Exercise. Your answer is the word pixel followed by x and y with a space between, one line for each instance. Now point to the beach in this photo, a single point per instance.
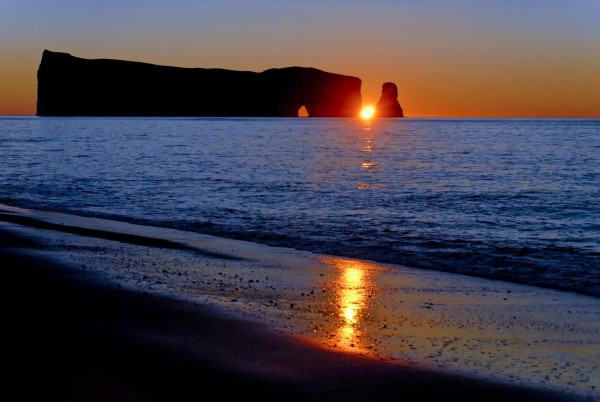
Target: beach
pixel 110 310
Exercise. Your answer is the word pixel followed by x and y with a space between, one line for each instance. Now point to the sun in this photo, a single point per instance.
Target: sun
pixel 367 112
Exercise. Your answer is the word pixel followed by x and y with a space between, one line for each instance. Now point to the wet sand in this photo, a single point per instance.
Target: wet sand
pixel 96 309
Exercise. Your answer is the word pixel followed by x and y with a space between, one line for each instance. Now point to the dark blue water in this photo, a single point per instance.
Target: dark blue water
pixel 515 199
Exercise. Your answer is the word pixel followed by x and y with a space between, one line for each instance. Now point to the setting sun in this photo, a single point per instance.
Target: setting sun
pixel 367 112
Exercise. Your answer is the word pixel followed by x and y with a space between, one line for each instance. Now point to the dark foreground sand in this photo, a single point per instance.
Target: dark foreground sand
pixel 67 337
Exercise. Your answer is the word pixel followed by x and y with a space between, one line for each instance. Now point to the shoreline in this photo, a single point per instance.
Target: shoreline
pixel 350 321
pixel 149 223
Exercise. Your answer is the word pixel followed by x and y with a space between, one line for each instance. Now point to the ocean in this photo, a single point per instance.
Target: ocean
pixel 510 199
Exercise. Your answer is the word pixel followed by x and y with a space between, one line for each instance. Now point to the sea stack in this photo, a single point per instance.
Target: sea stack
pixel 388 105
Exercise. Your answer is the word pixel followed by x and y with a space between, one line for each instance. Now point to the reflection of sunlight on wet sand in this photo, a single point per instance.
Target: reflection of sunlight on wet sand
pixel 352 290
pixel 351 301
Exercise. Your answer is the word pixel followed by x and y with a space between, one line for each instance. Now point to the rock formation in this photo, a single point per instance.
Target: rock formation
pixel 72 86
pixel 388 105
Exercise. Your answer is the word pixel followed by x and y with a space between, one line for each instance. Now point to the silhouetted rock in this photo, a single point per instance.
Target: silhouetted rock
pixel 388 105
pixel 71 86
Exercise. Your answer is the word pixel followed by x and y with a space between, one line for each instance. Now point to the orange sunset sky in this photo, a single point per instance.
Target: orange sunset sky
pixel 449 58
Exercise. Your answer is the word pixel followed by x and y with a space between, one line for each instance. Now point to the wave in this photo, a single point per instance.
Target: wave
pixel 551 266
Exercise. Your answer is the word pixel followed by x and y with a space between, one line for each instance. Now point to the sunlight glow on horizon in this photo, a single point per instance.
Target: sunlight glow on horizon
pixel 367 112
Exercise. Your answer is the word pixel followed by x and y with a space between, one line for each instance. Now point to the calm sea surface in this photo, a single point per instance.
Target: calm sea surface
pixel 516 199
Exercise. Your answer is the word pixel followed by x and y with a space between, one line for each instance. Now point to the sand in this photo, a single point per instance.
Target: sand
pixel 98 309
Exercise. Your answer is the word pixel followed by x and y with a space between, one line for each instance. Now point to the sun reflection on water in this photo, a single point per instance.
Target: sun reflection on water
pixel 368 165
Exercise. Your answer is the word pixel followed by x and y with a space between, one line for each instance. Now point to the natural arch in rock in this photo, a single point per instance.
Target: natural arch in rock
pixel 302 112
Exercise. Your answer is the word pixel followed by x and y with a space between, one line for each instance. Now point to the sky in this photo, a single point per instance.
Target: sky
pixel 448 58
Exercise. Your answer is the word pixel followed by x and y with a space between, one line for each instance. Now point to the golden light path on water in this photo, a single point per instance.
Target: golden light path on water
pixel 368 165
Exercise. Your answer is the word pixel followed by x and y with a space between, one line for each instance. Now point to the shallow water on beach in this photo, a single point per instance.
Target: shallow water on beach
pixel 515 199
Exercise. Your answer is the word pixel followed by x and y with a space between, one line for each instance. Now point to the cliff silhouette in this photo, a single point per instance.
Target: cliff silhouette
pixel 72 86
